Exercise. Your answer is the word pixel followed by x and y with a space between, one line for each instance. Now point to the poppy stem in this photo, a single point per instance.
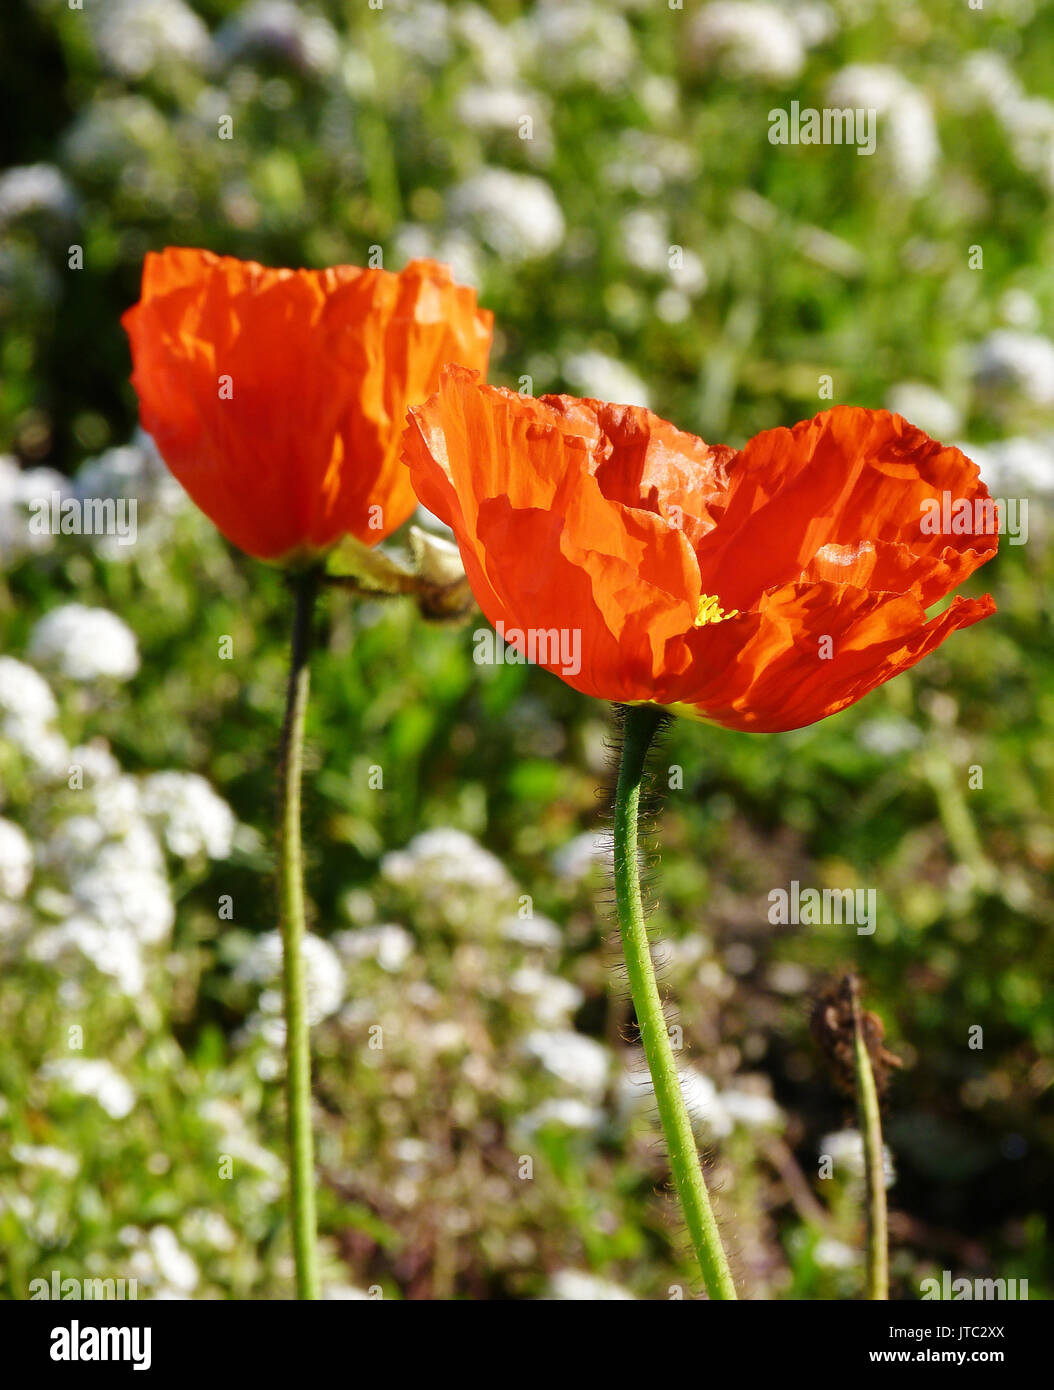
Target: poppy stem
pixel 640 725
pixel 291 900
pixel 870 1122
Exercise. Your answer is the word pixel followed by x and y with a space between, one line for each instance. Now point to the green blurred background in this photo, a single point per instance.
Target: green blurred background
pixel 645 243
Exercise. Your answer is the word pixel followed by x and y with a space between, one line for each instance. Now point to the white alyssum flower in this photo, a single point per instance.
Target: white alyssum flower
pixel 85 1076
pixel 578 1286
pixel 581 856
pixel 16 860
pixel 451 245
pixel 906 129
pixel 161 1260
pixel 928 409
pixel 113 950
pixel 576 41
pixel 706 1108
pixel 517 215
pixel 845 1148
pixel 1017 465
pixel 553 1000
pixel 567 1112
pixel 191 818
pixel 889 736
pixel 835 1254
pixel 324 974
pixel 86 644
pixel 747 38
pixel 389 944
pixel 447 857
pixel 1023 361
pixel 280 29
pixel 597 375
pixel 485 107
pixel 25 696
pixel 133 36
pixel 535 930
pixel 46 1156
pixel 577 1061
pixel 28 188
pixel 751 1109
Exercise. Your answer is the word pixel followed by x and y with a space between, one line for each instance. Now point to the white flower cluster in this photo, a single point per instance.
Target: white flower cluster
pixel 926 408
pixel 603 378
pixel 907 132
pixel 580 1063
pixel 85 644
pixel 93 831
pixel 323 972
pixel 191 818
pixel 989 80
pixel 845 1148
pixel 280 29
pixel 32 188
pixel 714 1114
pixel 19 490
pixel 159 1262
pixel 1022 361
pixel 578 1286
pixel 448 858
pixel 134 36
pixel 84 1076
pixel 748 38
pixel 27 715
pixel 516 215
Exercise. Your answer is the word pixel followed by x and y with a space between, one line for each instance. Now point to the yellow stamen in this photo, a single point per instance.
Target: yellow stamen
pixel 710 611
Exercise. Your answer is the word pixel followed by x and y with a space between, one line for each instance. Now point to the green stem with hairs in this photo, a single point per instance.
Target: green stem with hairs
pixel 641 722
pixel 870 1121
pixel 291 900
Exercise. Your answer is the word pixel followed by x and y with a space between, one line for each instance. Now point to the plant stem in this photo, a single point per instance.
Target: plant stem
pixel 291 899
pixel 641 722
pixel 870 1121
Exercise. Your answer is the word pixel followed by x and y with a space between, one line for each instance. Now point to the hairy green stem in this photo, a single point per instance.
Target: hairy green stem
pixel 641 722
pixel 870 1121
pixel 291 900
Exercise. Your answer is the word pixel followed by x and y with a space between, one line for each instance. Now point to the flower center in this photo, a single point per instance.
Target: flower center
pixel 710 611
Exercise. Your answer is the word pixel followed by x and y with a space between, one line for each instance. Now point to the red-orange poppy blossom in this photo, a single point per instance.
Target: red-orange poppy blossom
pixel 278 397
pixel 761 589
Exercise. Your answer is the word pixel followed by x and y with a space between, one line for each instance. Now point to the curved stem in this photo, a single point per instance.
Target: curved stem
pixel 641 722
pixel 291 899
pixel 870 1121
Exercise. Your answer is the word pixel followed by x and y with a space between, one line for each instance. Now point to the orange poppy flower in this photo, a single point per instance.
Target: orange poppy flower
pixel 761 589
pixel 277 397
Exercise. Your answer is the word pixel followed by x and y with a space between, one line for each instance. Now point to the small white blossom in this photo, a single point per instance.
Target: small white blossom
pixel 16 860
pixel 906 130
pixel 85 1076
pixel 192 819
pixel 1023 361
pixel 578 1061
pixel 85 643
pixel 553 1000
pixel 448 857
pixel 567 1112
pixel 603 378
pixel 928 409
pixel 747 38
pixel 47 1157
pixel 388 944
pixel 578 1286
pixel 517 215
pixel 323 972
pixel 133 36
pixel 28 188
